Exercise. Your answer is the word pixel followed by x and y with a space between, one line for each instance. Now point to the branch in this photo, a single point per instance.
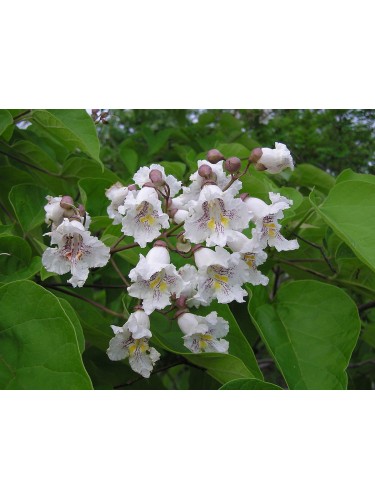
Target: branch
pixel 321 250
pixel 89 301
pixel 125 247
pixel 362 363
pixel 368 305
pixel 118 271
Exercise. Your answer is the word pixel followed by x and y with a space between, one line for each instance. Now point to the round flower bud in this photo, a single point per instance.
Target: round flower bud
pixel 214 156
pixel 232 164
pixel 255 155
pixel 205 171
pixel 66 202
pixel 156 177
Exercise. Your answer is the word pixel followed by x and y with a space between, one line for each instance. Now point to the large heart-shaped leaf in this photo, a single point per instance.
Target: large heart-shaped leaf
pixel 310 330
pixel 38 341
pixel 349 210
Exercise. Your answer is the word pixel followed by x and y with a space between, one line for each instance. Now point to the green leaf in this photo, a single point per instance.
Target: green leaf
pixel 250 384
pixel 311 331
pixel 6 119
pixel 16 262
pixel 28 202
pixel 234 149
pixel 175 168
pixel 349 175
pixel 93 195
pixel 70 312
pixel 38 342
pixel 129 157
pixel 36 155
pixel 310 176
pixel 74 128
pixel 350 211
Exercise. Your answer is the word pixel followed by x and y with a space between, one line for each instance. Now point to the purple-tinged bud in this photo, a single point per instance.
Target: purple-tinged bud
pixel 81 210
pixel 256 155
pixel 132 187
pixel 172 212
pixel 243 196
pixel 156 177
pixel 205 171
pixel 66 202
pixel 160 243
pixel 233 164
pixel 214 156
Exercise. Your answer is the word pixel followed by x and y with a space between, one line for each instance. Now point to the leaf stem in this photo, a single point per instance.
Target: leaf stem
pixel 118 271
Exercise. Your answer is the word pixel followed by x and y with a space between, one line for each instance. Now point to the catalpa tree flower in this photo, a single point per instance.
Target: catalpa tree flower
pixel 142 177
pixel 144 217
pixel 116 194
pixel 155 279
pixel 131 341
pixel 220 276
pixel 206 171
pixel 267 229
pixel 59 208
pixel 273 160
pixel 215 216
pixel 204 334
pixel 76 252
pixel 251 253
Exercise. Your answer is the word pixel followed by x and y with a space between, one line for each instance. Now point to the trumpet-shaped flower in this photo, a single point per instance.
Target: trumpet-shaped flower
pixel 220 276
pixel 267 229
pixel 204 334
pixel 76 252
pixel 144 217
pixel 215 216
pixel 131 341
pixel 252 255
pixel 155 279
pixel 143 175
pixel 276 160
pixel 54 212
pixel 116 194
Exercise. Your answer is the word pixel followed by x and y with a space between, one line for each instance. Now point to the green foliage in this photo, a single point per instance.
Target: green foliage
pixel 302 331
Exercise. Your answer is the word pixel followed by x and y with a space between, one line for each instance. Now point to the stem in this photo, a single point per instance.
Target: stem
pixel 89 301
pixel 16 119
pixel 125 247
pixel 368 305
pixel 118 241
pixel 307 270
pixel 173 229
pixel 318 247
pixel 118 271
pixel 362 363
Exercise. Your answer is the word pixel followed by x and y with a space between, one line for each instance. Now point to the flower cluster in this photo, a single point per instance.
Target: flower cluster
pixel 222 232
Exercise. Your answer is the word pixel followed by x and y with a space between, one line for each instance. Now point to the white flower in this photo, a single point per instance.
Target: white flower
pixel 276 160
pixel 54 212
pixel 214 217
pixel 143 176
pixel 155 280
pixel 220 276
pixel 189 274
pixel 144 217
pixel 252 254
pixel 267 229
pixel 192 192
pixel 76 252
pixel 134 345
pixel 204 334
pixel 116 194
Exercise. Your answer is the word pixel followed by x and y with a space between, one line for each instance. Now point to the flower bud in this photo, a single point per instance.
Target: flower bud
pixel 81 210
pixel 66 202
pixel 233 164
pixel 181 302
pixel 214 156
pixel 183 245
pixel 132 187
pixel 156 177
pixel 205 171
pixel 255 155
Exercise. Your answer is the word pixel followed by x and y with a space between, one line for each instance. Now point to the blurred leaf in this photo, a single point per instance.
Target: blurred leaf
pixel 36 155
pixel 38 341
pixel 6 120
pixel 310 176
pixel 93 195
pixel 130 158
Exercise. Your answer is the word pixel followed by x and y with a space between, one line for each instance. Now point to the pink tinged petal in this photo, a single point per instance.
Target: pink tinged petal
pixel 118 347
pixel 53 261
